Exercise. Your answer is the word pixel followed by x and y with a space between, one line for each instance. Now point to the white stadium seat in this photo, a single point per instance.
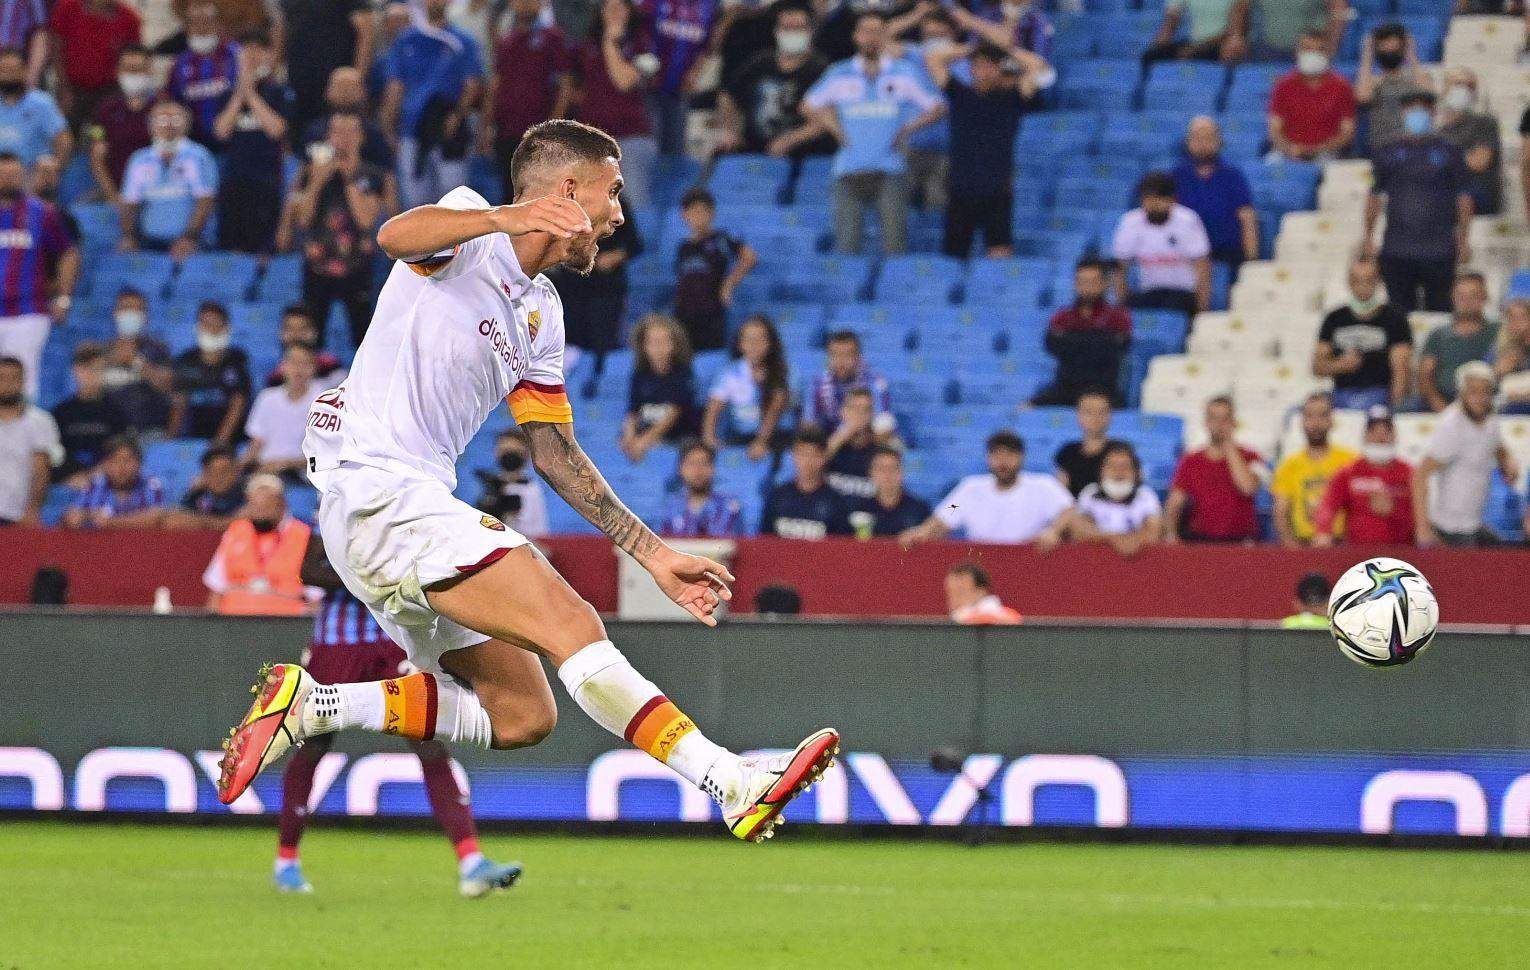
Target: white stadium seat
pixel 1264 286
pixel 1178 384
pixel 1274 386
pixel 1230 335
pixel 1478 40
pixel 1413 434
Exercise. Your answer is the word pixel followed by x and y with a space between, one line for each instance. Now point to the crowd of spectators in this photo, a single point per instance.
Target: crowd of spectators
pixel 299 126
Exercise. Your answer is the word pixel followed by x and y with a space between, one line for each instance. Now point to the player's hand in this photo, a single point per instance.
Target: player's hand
pixel 559 217
pixel 695 582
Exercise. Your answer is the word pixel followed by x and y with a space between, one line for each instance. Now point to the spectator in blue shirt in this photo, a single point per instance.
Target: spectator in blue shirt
pixel 253 128
pixel 1219 193
pixel 169 187
pixel 31 123
pixel 697 509
pixel 890 509
pixel 682 37
pixel 119 496
pixel 806 507
pixel 845 372
pixel 205 75
pixel 435 78
pixel 661 400
pixel 871 104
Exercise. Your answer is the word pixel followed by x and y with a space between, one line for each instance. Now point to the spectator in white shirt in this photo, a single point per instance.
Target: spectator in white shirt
pixel 1007 505
pixel 279 416
pixel 1450 486
pixel 28 441
pixel 1168 245
pixel 1118 509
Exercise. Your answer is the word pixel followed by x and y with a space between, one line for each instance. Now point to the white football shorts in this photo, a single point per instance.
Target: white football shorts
pixel 390 533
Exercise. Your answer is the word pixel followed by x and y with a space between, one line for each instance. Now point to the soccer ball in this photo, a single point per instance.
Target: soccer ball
pixel 1382 613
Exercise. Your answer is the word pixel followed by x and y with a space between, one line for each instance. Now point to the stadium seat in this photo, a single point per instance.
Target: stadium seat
pixel 1228 336
pixel 1251 86
pixel 225 277
pixel 1012 281
pixel 1181 385
pixel 832 278
pixel 1109 85
pixel 1188 85
pixel 1348 431
pixel 919 279
pixel 149 273
pixel 1053 134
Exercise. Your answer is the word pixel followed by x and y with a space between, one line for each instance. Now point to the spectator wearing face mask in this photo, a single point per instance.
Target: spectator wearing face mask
pixel 130 319
pixel 90 37
pixel 1422 183
pixel 206 75
pixel 1366 345
pixel 1369 502
pixel 1167 244
pixel 168 188
pixel 1219 193
pixel 1450 486
pixel 1312 109
pixel 212 382
pixel 1475 133
pixel 1389 72
pixel 1118 510
pixel 697 509
pixel 31 123
pixel 759 106
pixel 257 567
pixel 510 492
pixel 120 123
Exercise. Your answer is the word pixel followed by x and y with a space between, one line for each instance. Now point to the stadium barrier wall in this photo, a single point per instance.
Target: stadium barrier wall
pixel 1210 728
pixel 121 568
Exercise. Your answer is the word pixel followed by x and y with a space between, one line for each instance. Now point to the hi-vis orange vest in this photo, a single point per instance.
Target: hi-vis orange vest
pixel 278 574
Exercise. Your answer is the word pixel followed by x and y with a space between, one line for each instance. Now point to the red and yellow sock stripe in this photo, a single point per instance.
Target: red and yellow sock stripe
pixel 409 706
pixel 657 727
pixel 530 401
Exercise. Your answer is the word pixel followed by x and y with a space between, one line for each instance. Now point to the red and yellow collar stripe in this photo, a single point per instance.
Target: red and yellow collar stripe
pixel 530 401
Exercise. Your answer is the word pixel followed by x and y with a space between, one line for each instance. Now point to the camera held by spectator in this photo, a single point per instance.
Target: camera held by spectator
pixel 510 492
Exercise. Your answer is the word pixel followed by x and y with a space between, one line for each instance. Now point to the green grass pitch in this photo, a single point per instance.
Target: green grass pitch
pixel 153 896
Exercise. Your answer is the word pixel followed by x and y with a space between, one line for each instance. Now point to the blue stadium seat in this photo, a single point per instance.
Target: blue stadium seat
pixel 750 179
pixel 1091 193
pixel 675 174
pixel 1018 282
pixel 1067 247
pixel 1127 34
pixel 1189 85
pixel 1159 331
pixel 1251 86
pixel 885 326
pixel 282 279
pixel 814 178
pixel 1109 169
pixel 799 324
pixel 100 228
pixel 149 273
pixel 1109 85
pixel 1519 285
pixel 221 276
pixel 1071 43
pixel 919 279
pixel 831 278
pixel 1284 187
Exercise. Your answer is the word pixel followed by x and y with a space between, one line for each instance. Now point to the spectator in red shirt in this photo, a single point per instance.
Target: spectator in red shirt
pixel 1312 110
pixel 615 68
pixel 530 82
pixel 1212 496
pixel 91 34
pixel 1374 494
pixel 120 123
pixel 1088 338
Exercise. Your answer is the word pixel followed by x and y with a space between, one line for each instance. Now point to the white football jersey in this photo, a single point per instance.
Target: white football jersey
pixel 452 336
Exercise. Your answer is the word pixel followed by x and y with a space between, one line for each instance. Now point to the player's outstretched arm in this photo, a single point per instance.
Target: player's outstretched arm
pixel 695 582
pixel 430 229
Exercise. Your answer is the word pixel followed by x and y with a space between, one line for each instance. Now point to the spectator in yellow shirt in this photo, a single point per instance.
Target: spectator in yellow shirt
pixel 1302 478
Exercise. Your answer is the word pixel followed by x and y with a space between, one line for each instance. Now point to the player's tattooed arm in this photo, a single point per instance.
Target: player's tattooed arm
pixel 563 464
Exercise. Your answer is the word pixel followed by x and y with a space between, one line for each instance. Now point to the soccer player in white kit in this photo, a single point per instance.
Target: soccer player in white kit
pixel 465 321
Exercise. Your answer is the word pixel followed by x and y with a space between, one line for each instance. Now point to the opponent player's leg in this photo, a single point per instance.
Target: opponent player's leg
pixel 477 875
pixel 297 785
pixel 521 599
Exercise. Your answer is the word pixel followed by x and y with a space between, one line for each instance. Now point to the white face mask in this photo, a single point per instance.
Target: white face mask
pixel 1118 489
pixel 135 85
pixel 1460 98
pixel 1379 454
pixel 211 343
pixel 130 323
pixel 202 43
pixel 1312 63
pixel 793 42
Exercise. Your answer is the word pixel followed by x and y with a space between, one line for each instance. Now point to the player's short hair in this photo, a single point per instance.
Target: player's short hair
pixel 1125 448
pixel 214 307
pixel 1312 589
pixel 779 599
pixel 11 157
pixel 1005 439
pixel 1465 276
pixel 218 451
pixel 990 52
pixel 1158 185
pixel 15 362
pixel 556 143
pixel 698 195
pixel 843 337
pixel 811 436
pixel 696 444
pixel 1100 266
pixel 973 571
pixel 887 451
pixel 121 442
pixel 87 352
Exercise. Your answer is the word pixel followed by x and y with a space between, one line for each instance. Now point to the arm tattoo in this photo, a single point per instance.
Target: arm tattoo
pixel 565 467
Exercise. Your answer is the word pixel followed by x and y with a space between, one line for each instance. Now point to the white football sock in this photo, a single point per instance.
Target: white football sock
pixel 460 716
pixel 614 694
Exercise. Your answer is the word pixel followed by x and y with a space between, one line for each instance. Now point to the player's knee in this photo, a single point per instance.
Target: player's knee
pixel 577 625
pixel 524 728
